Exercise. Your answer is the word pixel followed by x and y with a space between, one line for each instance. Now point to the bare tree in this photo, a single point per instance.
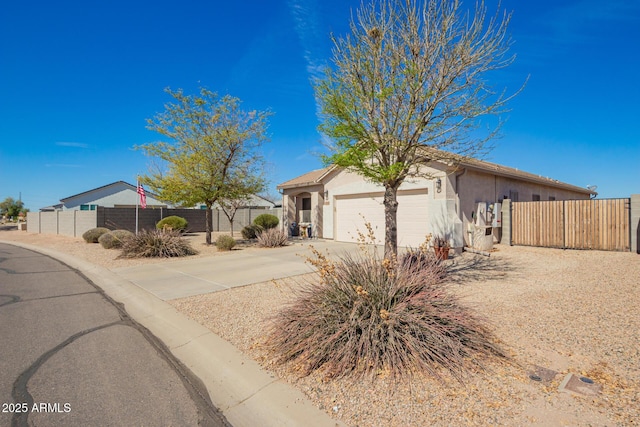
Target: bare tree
pixel 239 195
pixel 230 208
pixel 407 88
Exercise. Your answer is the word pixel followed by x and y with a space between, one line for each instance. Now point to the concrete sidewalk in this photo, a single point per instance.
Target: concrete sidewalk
pixel 187 277
pixel 246 394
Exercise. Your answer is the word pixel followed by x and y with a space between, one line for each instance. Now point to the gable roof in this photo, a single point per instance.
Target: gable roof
pixel 113 184
pixel 309 178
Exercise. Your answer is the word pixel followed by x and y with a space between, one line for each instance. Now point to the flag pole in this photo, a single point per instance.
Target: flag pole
pixel 137 202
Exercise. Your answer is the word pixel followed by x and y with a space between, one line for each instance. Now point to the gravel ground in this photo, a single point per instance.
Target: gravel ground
pixel 109 258
pixel 569 311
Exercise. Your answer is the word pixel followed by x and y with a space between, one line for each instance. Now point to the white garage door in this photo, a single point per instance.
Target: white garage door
pixel 412 217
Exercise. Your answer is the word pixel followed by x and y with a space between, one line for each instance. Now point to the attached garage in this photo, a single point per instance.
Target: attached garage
pixel 352 211
pixel 441 200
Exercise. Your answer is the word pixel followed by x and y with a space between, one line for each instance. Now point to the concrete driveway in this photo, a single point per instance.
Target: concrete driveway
pixel 180 278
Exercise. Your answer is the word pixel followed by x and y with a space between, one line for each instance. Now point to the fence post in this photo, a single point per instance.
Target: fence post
pixel 564 224
pixel 635 223
pixel 506 222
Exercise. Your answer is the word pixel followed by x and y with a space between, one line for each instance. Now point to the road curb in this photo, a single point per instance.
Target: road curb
pixel 246 394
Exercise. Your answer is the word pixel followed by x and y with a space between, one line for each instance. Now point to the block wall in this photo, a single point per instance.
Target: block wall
pixel 74 222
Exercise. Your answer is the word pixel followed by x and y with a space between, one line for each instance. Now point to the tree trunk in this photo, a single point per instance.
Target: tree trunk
pixel 208 223
pixel 231 226
pixel 390 222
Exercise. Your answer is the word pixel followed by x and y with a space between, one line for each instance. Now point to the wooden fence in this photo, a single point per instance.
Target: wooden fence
pixel 601 224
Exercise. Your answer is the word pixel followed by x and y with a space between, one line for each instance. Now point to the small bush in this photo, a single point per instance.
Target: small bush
pixel 422 259
pixel 225 243
pixel 92 236
pixel 272 238
pixel 368 315
pixel 251 231
pixel 266 221
pixel 114 239
pixel 157 243
pixel 172 222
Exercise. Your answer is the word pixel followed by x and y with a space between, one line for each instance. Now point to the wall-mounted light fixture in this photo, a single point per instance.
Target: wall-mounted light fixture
pixel 438 185
pixel 326 195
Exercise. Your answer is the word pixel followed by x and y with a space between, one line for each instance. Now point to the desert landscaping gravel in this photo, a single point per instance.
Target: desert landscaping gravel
pixel 568 311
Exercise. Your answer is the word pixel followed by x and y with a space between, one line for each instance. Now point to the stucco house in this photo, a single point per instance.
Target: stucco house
pixel 335 203
pixel 118 194
pixel 254 202
pixel 121 194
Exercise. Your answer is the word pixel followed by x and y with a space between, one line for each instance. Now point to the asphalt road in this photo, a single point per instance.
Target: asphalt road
pixel 69 355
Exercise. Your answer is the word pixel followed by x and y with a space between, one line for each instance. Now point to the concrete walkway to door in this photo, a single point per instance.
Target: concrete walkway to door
pixel 187 277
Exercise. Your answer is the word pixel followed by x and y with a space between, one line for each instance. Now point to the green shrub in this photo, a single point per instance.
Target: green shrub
pixel 114 239
pixel 157 243
pixel 251 231
pixel 225 242
pixel 365 315
pixel 272 238
pixel 172 222
pixel 92 236
pixel 266 221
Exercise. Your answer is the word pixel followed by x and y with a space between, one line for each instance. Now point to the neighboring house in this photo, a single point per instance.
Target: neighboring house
pixel 113 206
pixel 121 194
pixel 115 195
pixel 52 208
pixel 253 202
pixel 336 203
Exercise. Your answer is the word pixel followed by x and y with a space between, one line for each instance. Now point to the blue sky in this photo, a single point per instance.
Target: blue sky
pixel 78 79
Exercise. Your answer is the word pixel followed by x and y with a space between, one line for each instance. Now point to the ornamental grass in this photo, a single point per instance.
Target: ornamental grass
pixel 157 244
pixel 367 315
pixel 272 238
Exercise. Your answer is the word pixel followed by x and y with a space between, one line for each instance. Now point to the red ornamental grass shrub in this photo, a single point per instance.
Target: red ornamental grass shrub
pixel 157 243
pixel 365 314
pixel 272 238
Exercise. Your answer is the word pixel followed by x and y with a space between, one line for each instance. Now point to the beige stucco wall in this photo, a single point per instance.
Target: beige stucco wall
pixel 342 183
pixel 441 205
pixel 449 210
pixel 292 204
pixel 440 210
pixel 476 186
pixel 33 222
pixel 70 223
pixel 48 222
pixel 67 222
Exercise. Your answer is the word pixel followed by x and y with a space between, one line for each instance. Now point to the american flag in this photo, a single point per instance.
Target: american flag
pixel 143 197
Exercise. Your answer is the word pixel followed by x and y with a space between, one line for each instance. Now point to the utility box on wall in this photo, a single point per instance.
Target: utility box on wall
pixel 486 217
pixel 496 213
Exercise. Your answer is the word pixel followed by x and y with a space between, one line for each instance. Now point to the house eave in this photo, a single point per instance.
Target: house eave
pixel 310 183
pixel 298 185
pixel 526 176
